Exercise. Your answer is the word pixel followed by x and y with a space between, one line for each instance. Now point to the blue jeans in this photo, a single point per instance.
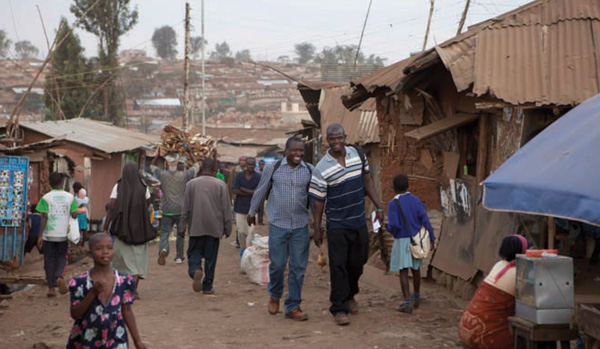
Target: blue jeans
pixel 166 225
pixel 284 243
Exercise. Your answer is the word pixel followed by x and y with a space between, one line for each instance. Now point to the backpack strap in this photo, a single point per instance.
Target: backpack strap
pixel 361 155
pixel 397 202
pixel 275 167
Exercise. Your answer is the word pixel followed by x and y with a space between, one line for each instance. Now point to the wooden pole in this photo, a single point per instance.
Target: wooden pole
pixel 60 112
pixel 482 148
pixel 186 68
pixel 203 80
pixel 432 2
pixel 361 36
pixel 463 18
pixel 551 233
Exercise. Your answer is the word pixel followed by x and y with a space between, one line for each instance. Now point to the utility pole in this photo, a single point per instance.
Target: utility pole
pixel 428 24
pixel 203 95
pixel 463 17
pixel 361 37
pixel 186 68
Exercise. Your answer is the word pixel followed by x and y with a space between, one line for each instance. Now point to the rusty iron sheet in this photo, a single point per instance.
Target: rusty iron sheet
pixel 455 254
pixel 543 53
pixel 361 125
pixel 93 134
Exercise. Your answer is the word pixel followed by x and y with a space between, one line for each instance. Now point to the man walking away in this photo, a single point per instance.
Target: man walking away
pixel 207 212
pixel 243 187
pixel 338 184
pixel 286 184
pixel 172 183
pixel 56 208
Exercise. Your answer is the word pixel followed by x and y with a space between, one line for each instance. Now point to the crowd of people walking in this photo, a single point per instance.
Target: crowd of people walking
pixel 199 203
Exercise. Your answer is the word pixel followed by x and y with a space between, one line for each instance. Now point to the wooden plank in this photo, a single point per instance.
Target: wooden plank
pixel 23 280
pixel 588 320
pixel 451 160
pixel 441 126
pixel 551 233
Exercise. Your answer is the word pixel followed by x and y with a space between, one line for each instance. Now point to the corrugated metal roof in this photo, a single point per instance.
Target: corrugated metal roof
pixel 245 136
pixel 383 80
pixel 546 52
pixel 93 134
pixel 553 64
pixel 311 94
pixel 361 125
pixel 388 77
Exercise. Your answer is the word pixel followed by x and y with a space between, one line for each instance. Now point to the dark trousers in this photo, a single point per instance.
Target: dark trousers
pixel 348 253
pixel 206 247
pixel 55 260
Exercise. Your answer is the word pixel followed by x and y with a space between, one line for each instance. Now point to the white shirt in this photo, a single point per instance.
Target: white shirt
pixel 113 193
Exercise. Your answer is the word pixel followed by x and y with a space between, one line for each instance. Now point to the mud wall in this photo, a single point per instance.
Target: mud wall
pixel 421 161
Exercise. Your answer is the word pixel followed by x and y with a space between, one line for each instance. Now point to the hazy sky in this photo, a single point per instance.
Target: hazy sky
pixel 270 28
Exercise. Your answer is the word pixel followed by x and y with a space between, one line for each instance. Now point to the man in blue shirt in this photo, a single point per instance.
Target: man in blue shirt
pixel 243 187
pixel 338 185
pixel 286 184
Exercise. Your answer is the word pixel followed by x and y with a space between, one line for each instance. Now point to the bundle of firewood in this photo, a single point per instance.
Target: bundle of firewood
pixel 178 142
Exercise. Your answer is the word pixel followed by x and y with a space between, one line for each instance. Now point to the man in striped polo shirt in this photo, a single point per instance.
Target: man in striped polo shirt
pixel 338 185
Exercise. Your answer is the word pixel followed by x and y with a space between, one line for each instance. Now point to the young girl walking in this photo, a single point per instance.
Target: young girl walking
pixel 406 206
pixel 101 301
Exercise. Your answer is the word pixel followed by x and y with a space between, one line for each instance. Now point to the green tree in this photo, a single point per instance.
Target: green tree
pixel 33 103
pixel 196 45
pixel 221 51
pixel 108 20
pixel 25 49
pixel 340 54
pixel 243 56
pixel 164 41
pixel 4 44
pixel 222 54
pixel 73 78
pixel 305 51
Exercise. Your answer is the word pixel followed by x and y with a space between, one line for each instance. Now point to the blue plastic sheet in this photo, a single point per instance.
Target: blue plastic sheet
pixel 556 173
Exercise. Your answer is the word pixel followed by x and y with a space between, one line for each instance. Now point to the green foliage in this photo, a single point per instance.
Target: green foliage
pixel 243 56
pixel 221 51
pixel 164 41
pixel 74 78
pixel 25 49
pixel 33 103
pixel 108 20
pixel 4 44
pixel 339 54
pixel 196 45
pixel 305 51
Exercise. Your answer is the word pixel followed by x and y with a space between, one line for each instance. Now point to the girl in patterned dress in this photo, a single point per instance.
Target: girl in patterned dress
pixel 101 301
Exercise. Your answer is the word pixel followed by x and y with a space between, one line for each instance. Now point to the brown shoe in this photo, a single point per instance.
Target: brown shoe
pixel 51 292
pixel 352 306
pixel 197 283
pixel 62 286
pixel 296 314
pixel 162 257
pixel 341 319
pixel 273 306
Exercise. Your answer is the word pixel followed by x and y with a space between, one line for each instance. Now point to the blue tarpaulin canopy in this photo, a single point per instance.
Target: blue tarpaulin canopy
pixel 557 173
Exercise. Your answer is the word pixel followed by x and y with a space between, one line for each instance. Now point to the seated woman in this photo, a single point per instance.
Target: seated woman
pixel 485 322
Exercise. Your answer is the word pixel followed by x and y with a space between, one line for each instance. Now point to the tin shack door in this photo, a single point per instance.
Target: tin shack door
pixel 13 207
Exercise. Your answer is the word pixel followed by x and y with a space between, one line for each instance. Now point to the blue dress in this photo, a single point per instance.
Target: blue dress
pixel 103 325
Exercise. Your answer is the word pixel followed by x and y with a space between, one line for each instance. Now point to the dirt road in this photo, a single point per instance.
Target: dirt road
pixel 171 315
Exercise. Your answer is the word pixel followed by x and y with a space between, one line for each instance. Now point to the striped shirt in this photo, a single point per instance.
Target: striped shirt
pixel 286 204
pixel 343 188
